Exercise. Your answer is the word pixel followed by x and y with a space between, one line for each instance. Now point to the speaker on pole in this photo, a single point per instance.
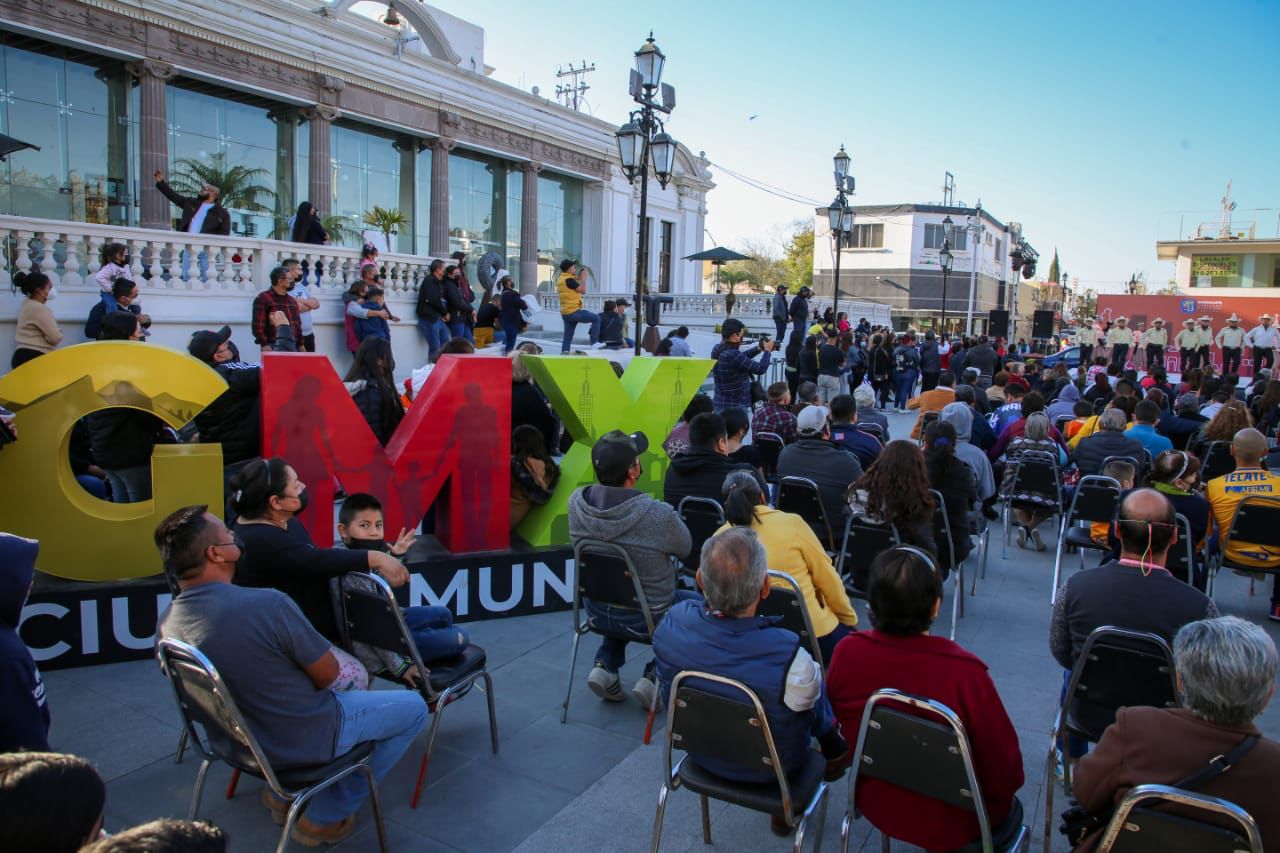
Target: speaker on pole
pixel 1042 324
pixel 998 324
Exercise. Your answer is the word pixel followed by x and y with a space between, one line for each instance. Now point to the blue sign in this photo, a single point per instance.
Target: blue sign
pixel 1187 306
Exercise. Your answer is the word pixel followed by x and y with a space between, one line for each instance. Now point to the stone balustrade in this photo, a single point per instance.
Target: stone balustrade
pixel 706 309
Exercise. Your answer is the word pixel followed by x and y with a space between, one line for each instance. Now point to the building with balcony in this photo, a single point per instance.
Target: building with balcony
pixel 891 257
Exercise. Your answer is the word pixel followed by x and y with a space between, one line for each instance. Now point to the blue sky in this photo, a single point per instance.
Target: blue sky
pixel 1093 124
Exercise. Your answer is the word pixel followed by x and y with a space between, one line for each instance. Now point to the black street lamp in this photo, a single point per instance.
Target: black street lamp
pixel 1062 310
pixel 945 259
pixel 642 139
pixel 840 218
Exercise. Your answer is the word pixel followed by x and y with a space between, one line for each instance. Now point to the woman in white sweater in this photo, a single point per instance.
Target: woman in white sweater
pixel 37 332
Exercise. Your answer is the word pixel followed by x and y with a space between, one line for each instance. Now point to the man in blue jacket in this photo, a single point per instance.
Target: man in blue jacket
pixel 24 712
pixel 780 312
pixel 735 368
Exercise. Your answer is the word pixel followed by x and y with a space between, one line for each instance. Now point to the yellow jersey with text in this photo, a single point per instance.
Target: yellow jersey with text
pixel 1225 493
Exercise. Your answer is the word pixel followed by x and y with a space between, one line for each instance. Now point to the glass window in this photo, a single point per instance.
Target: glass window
pixel 664 257
pixel 934 236
pixel 559 223
pixel 870 236
pixel 422 202
pixel 366 173
pixel 485 196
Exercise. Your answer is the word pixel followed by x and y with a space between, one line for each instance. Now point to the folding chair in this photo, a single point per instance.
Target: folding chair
pixel 1141 465
pixel 1138 826
pixel 1096 500
pixel 956 566
pixel 925 420
pixel 603 572
pixel 1256 521
pixel 1181 561
pixel 1034 472
pixel 786 601
pixel 800 495
pixel 863 540
pixel 703 517
pixel 1060 423
pixel 871 429
pixel 1117 668
pixel 978 527
pixel 1099 405
pixel 1217 460
pixel 920 746
pixel 373 617
pixel 770 445
pixel 722 719
pixel 204 700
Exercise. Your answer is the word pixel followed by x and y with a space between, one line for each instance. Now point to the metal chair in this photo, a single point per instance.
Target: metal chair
pixel 956 566
pixel 800 495
pixel 703 517
pixel 1141 465
pixel 1060 423
pixel 721 719
pixel 1139 827
pixel 372 617
pixel 1256 521
pixel 1116 668
pixel 923 749
pixel 1181 560
pixel 863 540
pixel 603 572
pixel 204 700
pixel 770 445
pixel 925 420
pixel 1217 460
pixel 1099 405
pixel 1033 471
pixel 786 601
pixel 1096 500
pixel 871 429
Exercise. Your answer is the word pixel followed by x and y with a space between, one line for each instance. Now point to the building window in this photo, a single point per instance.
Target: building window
pixel 559 223
pixel 999 253
pixel 368 170
pixel 664 257
pixel 865 237
pixel 933 237
pixel 485 202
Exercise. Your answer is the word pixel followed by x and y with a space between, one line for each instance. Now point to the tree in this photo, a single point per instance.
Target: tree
pixel 1055 270
pixel 387 220
pixel 797 256
pixel 1085 306
pixel 238 186
pixel 764 266
pixel 339 229
pixel 733 277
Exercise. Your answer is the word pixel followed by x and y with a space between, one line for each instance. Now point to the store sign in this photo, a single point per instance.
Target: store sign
pixel 1215 266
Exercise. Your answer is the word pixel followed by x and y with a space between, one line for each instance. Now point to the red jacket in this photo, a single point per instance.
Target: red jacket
pixel 938 669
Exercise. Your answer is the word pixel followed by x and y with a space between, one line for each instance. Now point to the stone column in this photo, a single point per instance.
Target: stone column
pixel 319 182
pixel 529 229
pixel 153 140
pixel 438 236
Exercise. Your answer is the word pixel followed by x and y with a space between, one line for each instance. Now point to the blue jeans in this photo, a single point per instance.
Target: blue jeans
pixel 390 718
pixel 509 335
pixel 109 303
pixel 202 260
pixel 622 625
pixel 436 333
pixel 904 383
pixel 130 485
pixel 571 322
pixel 460 329
pixel 93 486
pixel 433 632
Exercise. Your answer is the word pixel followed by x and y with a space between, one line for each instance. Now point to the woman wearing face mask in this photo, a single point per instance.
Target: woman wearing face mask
pixel 114 260
pixel 278 553
pixel 37 332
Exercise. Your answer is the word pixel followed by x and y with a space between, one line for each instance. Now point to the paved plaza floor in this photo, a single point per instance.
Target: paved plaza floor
pixel 589 784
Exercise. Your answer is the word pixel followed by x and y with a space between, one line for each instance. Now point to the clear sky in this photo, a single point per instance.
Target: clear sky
pixel 1093 124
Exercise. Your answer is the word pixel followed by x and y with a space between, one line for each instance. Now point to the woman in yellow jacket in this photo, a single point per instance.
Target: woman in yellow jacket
pixel 793 548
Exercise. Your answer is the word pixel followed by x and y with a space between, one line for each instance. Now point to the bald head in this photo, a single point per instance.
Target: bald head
pixel 1147 523
pixel 1248 447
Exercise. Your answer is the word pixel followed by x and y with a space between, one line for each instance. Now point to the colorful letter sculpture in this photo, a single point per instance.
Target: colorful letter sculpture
pixel 80 536
pixel 457 432
pixel 591 400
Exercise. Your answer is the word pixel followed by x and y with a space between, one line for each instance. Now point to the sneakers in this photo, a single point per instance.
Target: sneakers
pixel 605 684
pixel 310 834
pixel 1022 537
pixel 1274 615
pixel 646 693
pixel 1035 537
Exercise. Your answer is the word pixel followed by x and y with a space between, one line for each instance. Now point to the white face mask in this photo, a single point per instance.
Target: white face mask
pixel 53 294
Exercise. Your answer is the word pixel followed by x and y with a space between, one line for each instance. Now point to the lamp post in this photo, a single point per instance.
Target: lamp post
pixel 1062 311
pixel 945 259
pixel 641 139
pixel 840 218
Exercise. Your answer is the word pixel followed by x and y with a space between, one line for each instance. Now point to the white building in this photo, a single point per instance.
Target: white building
pixel 892 257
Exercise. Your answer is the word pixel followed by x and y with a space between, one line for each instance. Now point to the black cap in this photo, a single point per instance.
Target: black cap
pixel 567 264
pixel 205 343
pixel 731 327
pixel 622 303
pixel 615 452
pixel 459 256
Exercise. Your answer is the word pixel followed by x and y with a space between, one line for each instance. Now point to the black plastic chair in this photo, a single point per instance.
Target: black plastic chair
pixel 871 429
pixel 1096 500
pixel 920 746
pixel 770 445
pixel 1141 465
pixel 1181 560
pixel 205 701
pixel 703 517
pixel 800 495
pixel 1060 424
pixel 1217 459
pixel 926 419
pixel 1030 472
pixel 603 572
pixel 786 601
pixel 1140 826
pixel 1099 405
pixel 863 540
pixel 1117 668
pixel 943 522
pixel 722 719
pixel 1256 521
pixel 372 616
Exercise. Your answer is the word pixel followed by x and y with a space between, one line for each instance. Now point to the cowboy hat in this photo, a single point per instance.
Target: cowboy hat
pixel 1262 317
pixel 1188 322
pixel 1122 319
pixel 1157 320
pixel 1234 318
pixel 1206 319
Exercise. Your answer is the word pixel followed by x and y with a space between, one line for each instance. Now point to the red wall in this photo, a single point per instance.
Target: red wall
pixel 1141 310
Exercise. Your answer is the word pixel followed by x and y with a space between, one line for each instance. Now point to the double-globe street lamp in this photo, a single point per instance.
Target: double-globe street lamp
pixel 945 260
pixel 643 137
pixel 840 218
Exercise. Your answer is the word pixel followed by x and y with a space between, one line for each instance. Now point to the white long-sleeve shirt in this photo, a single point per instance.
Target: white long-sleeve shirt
pixel 1231 337
pixel 106 276
pixel 1265 337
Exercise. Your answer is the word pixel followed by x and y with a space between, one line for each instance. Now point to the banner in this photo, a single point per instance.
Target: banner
pixel 1176 308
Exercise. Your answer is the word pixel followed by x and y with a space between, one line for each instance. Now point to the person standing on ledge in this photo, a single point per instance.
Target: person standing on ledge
pixel 570 289
pixel 1120 338
pixel 1156 339
pixel 1264 338
pixel 201 213
pixel 1230 340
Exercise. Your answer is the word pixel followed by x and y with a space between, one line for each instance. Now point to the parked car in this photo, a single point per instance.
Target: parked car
pixel 1069 356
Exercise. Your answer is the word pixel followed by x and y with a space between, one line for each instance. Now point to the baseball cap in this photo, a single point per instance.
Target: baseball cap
pixel 812 419
pixel 621 303
pixel 615 452
pixel 567 264
pixel 205 342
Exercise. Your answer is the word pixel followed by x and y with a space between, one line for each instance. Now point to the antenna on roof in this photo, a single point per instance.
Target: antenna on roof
pixel 1227 206
pixel 571 94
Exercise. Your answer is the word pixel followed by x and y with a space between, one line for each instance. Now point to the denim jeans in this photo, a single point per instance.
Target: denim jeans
pixel 109 302
pixel 202 260
pixel 130 485
pixel 434 633
pixel 390 718
pixel 905 383
pixel 436 333
pixel 93 485
pixel 509 336
pixel 571 322
pixel 622 625
pixel 460 329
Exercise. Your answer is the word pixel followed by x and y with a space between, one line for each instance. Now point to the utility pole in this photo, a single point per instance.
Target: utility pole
pixel 1015 242
pixel 570 94
pixel 976 232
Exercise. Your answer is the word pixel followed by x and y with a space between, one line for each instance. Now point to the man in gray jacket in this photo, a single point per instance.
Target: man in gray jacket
pixel 652 533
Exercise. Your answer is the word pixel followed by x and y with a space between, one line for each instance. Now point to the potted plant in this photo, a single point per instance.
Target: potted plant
pixel 386 219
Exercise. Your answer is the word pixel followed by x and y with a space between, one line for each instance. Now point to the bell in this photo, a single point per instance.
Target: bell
pixel 391 19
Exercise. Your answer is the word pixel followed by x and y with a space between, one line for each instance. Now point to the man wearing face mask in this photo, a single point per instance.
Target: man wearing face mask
pixel 275 298
pixel 201 214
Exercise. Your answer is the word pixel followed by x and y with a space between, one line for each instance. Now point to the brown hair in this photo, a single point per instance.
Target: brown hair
pixel 897 484
pixel 1229 420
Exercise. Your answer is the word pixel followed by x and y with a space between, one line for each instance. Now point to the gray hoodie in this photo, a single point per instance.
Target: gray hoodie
pixel 649 530
pixel 960 416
